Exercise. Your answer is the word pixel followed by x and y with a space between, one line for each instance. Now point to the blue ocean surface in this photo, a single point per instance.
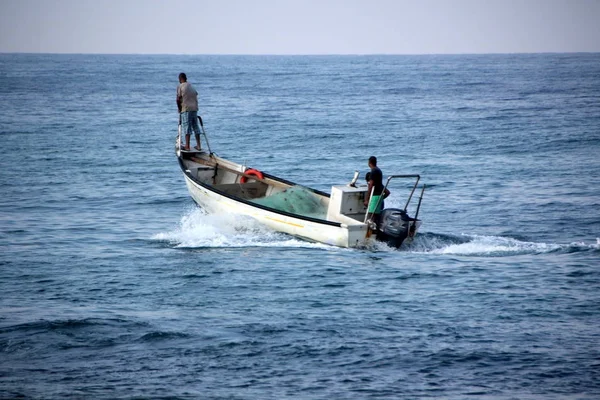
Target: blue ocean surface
pixel 115 285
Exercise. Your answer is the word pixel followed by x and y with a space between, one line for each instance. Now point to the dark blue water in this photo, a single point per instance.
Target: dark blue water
pixel 114 285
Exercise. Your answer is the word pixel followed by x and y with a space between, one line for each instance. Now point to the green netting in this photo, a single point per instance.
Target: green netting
pixel 295 200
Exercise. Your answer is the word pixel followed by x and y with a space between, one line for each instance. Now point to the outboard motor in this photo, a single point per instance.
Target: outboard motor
pixel 393 226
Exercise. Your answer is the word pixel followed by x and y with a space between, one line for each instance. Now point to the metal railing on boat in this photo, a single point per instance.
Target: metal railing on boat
pixel 418 178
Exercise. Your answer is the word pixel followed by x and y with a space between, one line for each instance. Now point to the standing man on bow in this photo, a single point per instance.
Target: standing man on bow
pixel 187 103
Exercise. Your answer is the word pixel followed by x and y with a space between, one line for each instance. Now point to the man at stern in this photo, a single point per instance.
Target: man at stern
pixel 374 202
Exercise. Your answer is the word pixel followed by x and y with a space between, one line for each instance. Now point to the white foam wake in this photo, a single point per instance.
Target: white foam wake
pixel 495 245
pixel 488 245
pixel 200 230
pixel 197 229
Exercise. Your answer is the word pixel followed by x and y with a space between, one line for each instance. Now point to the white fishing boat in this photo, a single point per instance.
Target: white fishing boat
pixel 338 218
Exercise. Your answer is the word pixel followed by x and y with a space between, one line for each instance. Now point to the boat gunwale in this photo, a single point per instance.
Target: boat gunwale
pixel 247 202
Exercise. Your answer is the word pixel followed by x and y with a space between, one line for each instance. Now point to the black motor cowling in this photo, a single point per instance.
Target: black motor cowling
pixel 393 226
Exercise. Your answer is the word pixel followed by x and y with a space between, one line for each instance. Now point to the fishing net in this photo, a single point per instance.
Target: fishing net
pixel 295 200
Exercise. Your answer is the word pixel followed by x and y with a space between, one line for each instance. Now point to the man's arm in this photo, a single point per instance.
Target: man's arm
pixel 368 195
pixel 179 100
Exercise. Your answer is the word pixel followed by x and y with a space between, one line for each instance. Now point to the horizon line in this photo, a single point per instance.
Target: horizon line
pixel 298 54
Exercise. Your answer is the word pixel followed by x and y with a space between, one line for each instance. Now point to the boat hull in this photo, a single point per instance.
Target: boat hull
pixel 332 233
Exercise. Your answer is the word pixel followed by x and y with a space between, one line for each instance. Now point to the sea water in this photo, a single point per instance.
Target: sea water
pixel 113 284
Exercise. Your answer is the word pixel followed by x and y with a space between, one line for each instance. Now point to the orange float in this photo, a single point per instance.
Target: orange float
pixel 252 172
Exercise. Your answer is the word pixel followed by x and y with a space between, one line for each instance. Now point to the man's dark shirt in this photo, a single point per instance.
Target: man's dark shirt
pixel 377 178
